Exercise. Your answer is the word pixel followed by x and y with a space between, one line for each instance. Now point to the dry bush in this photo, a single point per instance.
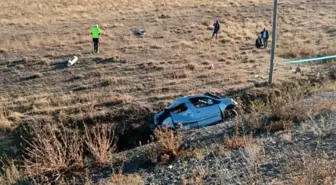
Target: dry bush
pixel 279 113
pixel 11 173
pixel 101 142
pixel 289 107
pixel 330 49
pixel 46 61
pixel 121 179
pixel 316 171
pixel 191 66
pixel 327 86
pixel 169 144
pixel 15 116
pixel 52 150
pixel 323 107
pixel 4 122
pixel 237 140
pixel 299 50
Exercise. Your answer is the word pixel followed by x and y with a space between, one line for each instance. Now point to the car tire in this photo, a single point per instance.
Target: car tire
pixel 229 113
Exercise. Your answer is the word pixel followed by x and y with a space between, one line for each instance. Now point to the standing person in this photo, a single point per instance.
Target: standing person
pixel 95 33
pixel 264 36
pixel 216 29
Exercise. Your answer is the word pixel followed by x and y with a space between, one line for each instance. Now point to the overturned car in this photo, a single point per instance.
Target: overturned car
pixel 195 111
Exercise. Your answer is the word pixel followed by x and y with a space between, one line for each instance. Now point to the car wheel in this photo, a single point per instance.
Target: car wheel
pixel 230 113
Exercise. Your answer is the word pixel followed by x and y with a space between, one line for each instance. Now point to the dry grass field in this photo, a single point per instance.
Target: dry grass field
pixel 172 59
pixel 132 77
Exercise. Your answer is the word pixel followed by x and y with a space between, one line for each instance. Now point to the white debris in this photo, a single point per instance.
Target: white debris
pixel 211 66
pixel 73 61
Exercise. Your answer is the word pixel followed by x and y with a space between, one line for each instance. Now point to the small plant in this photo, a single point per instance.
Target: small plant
pixel 100 141
pixel 237 140
pixel 46 61
pixel 121 179
pixel 191 66
pixel 258 105
pixel 4 122
pixel 169 144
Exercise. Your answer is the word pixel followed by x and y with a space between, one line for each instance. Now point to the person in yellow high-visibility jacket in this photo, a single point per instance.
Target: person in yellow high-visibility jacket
pixel 95 33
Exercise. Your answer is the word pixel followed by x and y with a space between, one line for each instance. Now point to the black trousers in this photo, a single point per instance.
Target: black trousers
pixel 215 32
pixel 95 44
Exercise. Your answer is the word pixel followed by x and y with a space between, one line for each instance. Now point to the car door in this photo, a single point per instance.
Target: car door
pixel 184 115
pixel 206 110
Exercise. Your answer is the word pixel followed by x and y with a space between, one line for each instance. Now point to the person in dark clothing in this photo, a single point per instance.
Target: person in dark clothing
pixel 216 29
pixel 264 36
pixel 258 43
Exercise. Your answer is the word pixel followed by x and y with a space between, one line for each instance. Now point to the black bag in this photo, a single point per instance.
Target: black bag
pixel 258 43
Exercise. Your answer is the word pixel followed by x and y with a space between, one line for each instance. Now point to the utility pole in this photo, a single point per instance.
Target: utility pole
pixel 275 12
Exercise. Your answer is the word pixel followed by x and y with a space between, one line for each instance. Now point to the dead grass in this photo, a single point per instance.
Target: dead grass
pixel 4 122
pixel 116 83
pixel 299 50
pixel 169 144
pixel 46 61
pixel 326 87
pixel 237 140
pixel 290 107
pixel 15 116
pixel 115 179
pixel 316 171
pixel 101 143
pixel 131 179
pixel 58 151
pixel 327 50
pixel 52 150
pixel 11 173
pixel 281 112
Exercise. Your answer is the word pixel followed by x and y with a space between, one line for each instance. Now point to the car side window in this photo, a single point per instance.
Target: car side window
pixel 180 108
pixel 199 102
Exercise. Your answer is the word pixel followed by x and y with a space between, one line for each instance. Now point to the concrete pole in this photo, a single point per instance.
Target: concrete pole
pixel 275 12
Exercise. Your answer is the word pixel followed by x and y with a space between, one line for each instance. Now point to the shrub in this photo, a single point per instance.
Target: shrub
pixel 11 173
pixel 52 150
pixel 121 179
pixel 237 140
pixel 298 50
pixel 4 122
pixel 100 141
pixel 316 171
pixel 169 144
